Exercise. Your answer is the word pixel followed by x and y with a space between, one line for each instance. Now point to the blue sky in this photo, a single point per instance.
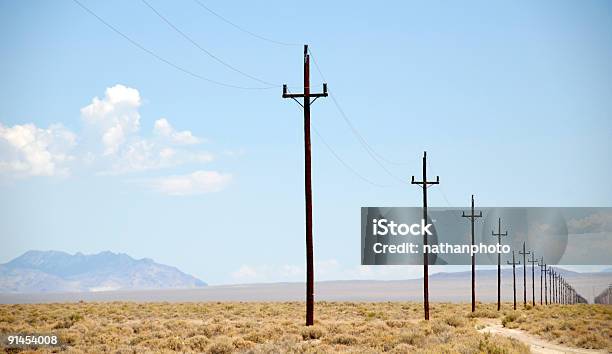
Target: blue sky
pixel 512 103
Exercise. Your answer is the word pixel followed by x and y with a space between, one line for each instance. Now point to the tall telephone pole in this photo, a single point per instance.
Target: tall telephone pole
pixel 307 95
pixel 499 235
pixel 533 261
pixel 425 184
pixel 524 253
pixel 514 263
pixel 472 217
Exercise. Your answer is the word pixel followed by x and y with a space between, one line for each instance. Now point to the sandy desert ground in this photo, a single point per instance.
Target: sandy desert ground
pixel 273 327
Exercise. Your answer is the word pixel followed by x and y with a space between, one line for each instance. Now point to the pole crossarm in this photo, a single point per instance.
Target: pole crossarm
pixel 472 214
pixel 287 94
pixel 426 183
pixel 499 234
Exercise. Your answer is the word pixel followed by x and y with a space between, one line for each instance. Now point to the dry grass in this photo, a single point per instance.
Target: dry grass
pixel 583 326
pixel 278 327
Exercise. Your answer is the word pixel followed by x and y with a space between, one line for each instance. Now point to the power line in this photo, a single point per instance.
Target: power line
pixel 346 165
pixel 204 50
pixel 243 29
pixel 360 138
pixel 349 123
pixel 441 188
pixel 364 143
pixel 162 59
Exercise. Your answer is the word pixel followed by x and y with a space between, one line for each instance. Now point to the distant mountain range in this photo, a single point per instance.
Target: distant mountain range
pixel 55 271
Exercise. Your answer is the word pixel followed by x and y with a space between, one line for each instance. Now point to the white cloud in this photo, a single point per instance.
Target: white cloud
pixel 143 155
pixel 116 116
pixel 115 119
pixel 26 150
pixel 111 144
pixel 199 182
pixel 163 129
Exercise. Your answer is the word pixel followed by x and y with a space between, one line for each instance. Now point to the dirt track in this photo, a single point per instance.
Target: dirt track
pixel 537 345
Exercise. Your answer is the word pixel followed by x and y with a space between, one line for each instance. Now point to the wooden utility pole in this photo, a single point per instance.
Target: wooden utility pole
pixel 499 235
pixel 551 274
pixel 472 217
pixel 561 299
pixel 545 284
pixel 558 287
pixel 533 261
pixel 555 285
pixel 514 263
pixel 424 185
pixel 552 286
pixel 524 253
pixel 541 265
pixel 556 280
pixel 564 292
pixel 563 288
pixel 307 95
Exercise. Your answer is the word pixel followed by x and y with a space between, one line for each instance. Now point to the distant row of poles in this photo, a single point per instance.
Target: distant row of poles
pixel 554 288
pixel 605 297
